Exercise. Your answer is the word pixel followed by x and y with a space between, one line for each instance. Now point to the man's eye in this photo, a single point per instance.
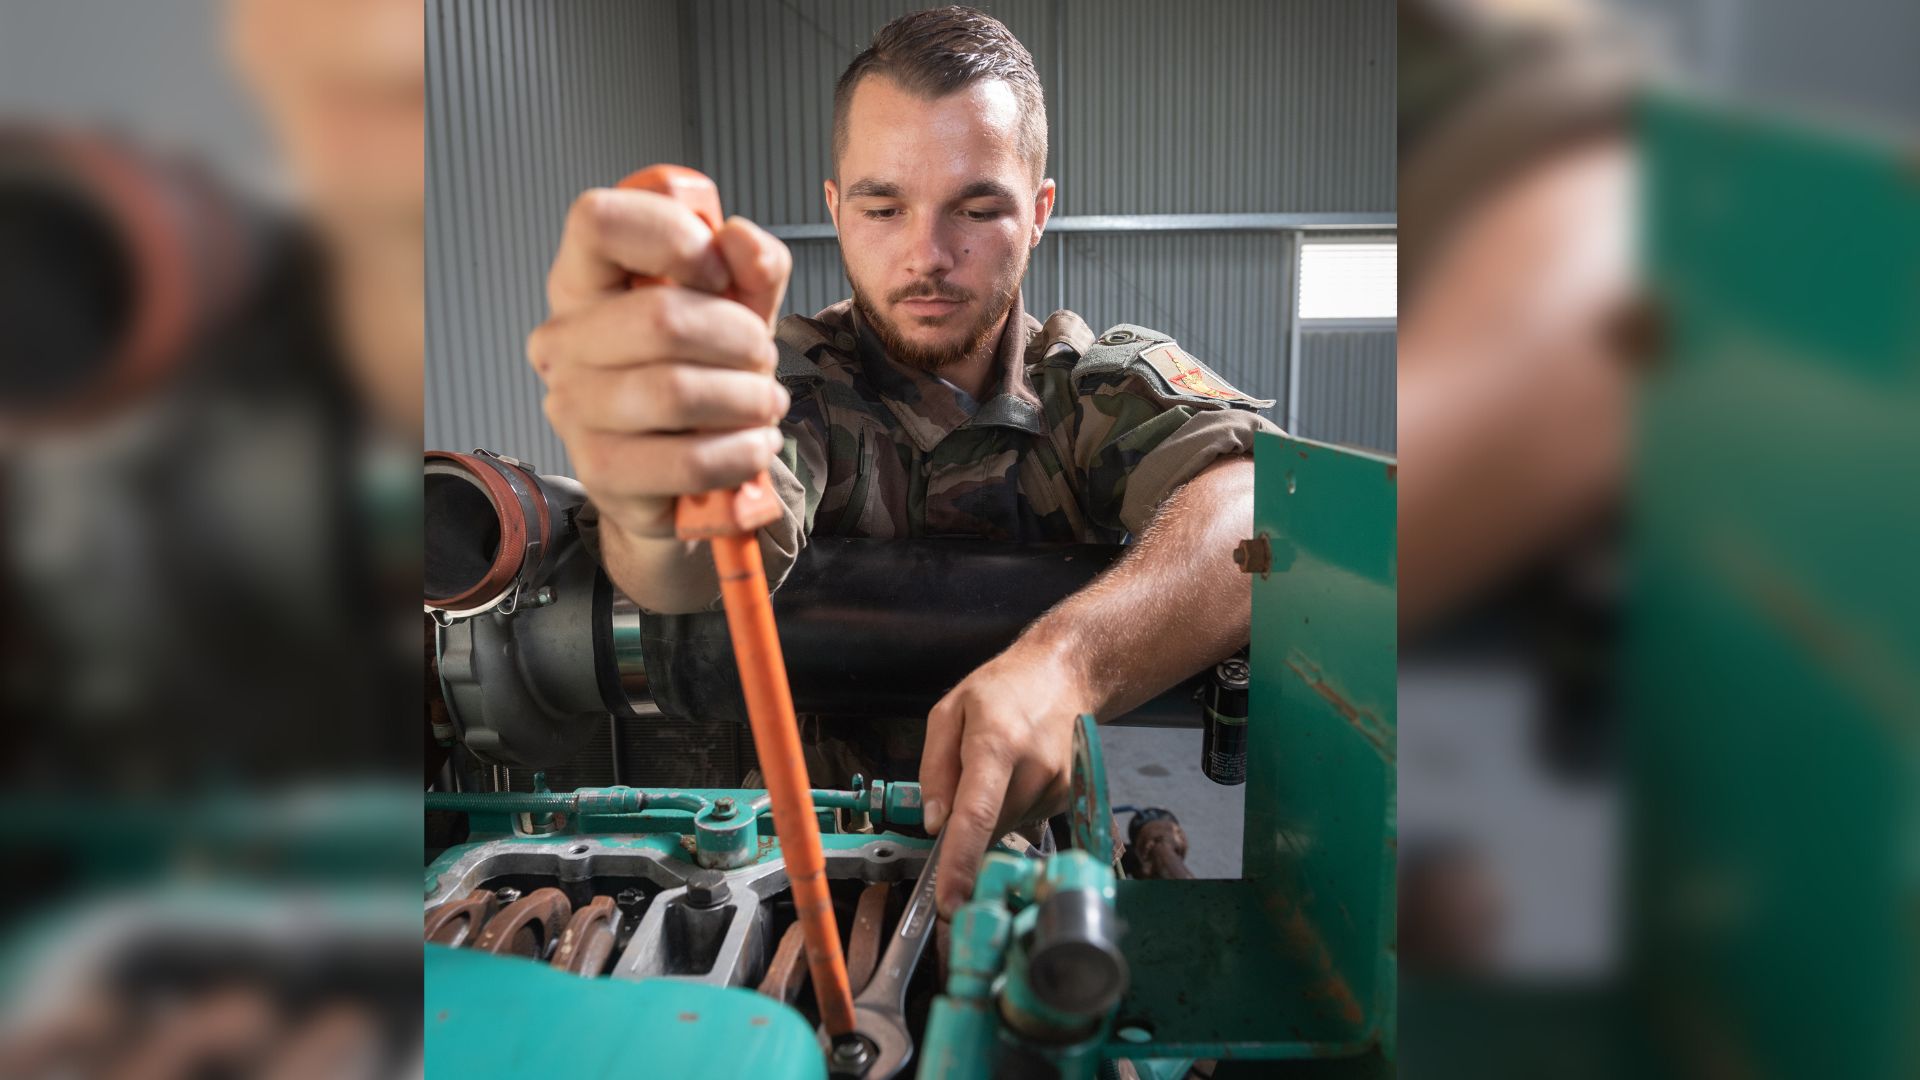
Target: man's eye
pixel 981 215
pixel 880 213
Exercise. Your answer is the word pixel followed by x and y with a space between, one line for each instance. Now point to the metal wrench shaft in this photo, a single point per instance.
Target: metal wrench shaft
pixel 880 1012
pixel 888 987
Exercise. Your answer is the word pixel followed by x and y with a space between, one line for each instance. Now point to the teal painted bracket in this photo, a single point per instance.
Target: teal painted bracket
pixel 507 1016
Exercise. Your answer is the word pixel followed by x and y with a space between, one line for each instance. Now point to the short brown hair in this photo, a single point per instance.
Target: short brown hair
pixel 935 52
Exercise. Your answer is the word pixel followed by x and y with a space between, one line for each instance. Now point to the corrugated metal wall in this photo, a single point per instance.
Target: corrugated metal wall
pixel 1228 107
pixel 528 104
pixel 1347 387
pixel 1154 108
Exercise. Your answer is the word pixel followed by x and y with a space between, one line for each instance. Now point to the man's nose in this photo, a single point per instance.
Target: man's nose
pixel 930 250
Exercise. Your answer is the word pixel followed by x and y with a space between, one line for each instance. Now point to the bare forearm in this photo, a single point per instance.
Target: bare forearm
pixel 1173 604
pixel 664 575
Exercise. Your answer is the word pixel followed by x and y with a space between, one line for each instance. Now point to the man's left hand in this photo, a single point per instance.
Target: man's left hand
pixel 999 753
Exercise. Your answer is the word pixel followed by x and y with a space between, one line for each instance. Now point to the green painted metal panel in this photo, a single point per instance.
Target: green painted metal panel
pixel 1774 654
pixel 1320 828
pixel 1297 960
pixel 506 1016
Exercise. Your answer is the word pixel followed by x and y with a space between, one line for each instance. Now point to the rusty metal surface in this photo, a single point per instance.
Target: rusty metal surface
pixel 788 972
pixel 587 941
pixel 457 923
pixel 869 923
pixel 527 926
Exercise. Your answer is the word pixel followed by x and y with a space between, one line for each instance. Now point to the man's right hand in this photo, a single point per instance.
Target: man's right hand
pixel 664 390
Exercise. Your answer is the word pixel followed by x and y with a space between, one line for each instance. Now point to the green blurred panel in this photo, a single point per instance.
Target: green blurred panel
pixel 1295 961
pixel 1774 657
pixel 507 1016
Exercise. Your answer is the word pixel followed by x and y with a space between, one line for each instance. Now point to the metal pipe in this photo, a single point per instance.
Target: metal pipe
pixel 616 800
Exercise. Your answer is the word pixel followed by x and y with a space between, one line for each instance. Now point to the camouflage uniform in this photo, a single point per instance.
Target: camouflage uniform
pixel 1079 440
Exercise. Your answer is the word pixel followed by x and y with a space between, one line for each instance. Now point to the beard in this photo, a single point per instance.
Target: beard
pixel 936 358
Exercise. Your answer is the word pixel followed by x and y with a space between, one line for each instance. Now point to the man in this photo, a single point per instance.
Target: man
pixel 930 404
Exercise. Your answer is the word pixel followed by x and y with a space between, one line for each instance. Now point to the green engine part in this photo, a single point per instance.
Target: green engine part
pixel 506 1016
pixel 726 823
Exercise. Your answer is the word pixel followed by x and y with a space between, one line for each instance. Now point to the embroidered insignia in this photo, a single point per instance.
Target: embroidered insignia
pixel 1190 376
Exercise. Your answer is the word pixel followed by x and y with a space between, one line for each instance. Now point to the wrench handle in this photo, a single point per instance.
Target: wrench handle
pixel 888 988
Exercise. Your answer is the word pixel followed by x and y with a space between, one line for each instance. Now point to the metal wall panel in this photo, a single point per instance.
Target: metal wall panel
pixel 528 104
pixel 1347 387
pixel 1228 107
pixel 763 74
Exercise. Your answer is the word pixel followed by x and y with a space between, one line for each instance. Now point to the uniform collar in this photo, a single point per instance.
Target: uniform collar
pixel 930 408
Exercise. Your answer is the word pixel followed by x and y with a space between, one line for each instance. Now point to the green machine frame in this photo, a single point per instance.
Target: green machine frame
pixel 1296 959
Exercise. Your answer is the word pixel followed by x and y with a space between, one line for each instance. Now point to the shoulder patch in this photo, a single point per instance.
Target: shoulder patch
pixel 1187 376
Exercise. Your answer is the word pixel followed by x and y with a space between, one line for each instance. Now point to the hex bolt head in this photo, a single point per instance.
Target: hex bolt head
pixel 850 1056
pixel 723 809
pixel 707 888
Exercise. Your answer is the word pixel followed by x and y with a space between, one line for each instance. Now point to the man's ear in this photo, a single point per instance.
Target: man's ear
pixel 1042 210
pixel 833 202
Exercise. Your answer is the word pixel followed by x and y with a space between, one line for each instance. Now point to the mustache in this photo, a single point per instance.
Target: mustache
pixel 932 291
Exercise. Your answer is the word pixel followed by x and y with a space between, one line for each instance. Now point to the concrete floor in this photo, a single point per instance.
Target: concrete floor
pixel 1160 767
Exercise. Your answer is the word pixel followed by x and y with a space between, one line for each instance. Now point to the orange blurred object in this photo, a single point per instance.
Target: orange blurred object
pixel 729 520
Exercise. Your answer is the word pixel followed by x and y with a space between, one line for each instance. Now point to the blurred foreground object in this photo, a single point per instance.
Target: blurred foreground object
pixel 1772 763
pixel 1773 672
pixel 198 515
pixel 229 935
pixel 115 262
pixel 209 540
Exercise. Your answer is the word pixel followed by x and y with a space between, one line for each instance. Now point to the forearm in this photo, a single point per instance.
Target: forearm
pixel 661 574
pixel 669 576
pixel 1174 603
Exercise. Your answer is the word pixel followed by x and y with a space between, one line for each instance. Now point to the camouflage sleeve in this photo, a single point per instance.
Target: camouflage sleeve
pixel 799 477
pixel 1150 417
pixel 799 474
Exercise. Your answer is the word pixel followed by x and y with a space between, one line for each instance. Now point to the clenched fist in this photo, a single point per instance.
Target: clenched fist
pixel 668 389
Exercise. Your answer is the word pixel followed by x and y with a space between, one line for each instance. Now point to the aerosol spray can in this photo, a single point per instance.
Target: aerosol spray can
pixel 1223 744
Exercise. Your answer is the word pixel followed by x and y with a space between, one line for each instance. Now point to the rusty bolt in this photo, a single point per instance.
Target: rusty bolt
pixel 723 809
pixel 1255 556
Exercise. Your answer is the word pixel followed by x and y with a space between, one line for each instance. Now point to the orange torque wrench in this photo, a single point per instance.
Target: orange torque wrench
pixel 730 521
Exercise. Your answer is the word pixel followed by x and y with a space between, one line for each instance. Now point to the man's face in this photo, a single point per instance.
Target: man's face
pixel 937 210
